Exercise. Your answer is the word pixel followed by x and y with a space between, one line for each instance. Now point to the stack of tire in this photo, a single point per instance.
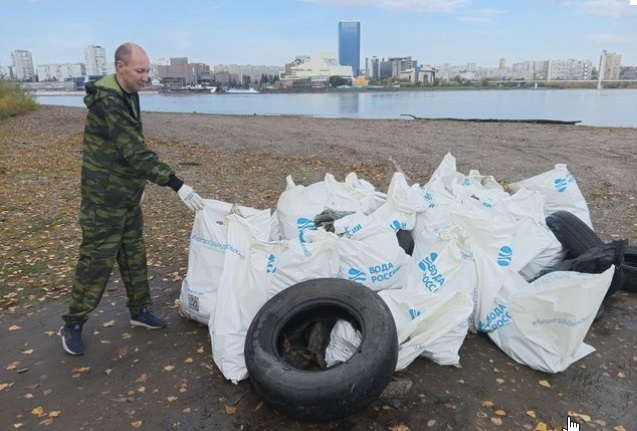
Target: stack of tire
pixel 581 242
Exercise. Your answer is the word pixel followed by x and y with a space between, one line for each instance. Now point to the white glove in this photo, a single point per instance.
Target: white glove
pixel 190 198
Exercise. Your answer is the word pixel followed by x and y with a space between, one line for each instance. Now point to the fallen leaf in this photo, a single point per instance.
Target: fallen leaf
pixel 142 379
pixel 109 324
pixel 4 386
pixel 585 418
pixel 38 411
pixel 14 328
pixel 171 399
pixel 487 404
pixel 47 421
pixel 136 424
pixel 200 349
pixel 169 367
pixel 500 412
pixel 80 369
pixel 400 427
pixel 123 351
pixel 13 365
pixel 28 352
pixel 141 389
pixel 541 426
pixel 531 413
pixel 54 414
pixel 188 360
pixel 621 375
pixel 108 371
pixel 50 333
pixel 18 425
pixel 230 410
pixel 545 383
pixel 496 421
pixel 500 381
pixel 619 428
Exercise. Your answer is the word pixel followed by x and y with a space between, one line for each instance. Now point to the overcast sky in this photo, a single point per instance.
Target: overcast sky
pixel 273 32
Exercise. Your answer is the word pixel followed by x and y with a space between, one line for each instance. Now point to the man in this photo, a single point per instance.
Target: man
pixel 116 165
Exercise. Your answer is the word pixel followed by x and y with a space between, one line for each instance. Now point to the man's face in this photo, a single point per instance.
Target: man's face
pixel 134 75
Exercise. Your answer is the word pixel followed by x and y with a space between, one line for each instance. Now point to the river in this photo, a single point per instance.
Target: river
pixel 592 107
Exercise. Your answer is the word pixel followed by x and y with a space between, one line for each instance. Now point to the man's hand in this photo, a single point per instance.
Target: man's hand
pixel 190 198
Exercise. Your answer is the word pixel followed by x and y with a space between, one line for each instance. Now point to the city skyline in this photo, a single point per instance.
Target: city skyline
pixel 218 32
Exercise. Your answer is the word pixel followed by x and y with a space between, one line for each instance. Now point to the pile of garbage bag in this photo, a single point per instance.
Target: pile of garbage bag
pixel 482 259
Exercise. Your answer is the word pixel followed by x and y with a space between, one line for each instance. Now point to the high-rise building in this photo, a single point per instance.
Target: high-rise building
pixel 610 66
pixel 349 45
pixel 22 65
pixel 95 60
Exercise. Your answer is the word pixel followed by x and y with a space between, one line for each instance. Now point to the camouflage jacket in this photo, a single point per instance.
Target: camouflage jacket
pixel 116 161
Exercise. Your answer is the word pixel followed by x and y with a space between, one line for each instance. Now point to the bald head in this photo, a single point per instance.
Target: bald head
pixel 132 66
pixel 125 51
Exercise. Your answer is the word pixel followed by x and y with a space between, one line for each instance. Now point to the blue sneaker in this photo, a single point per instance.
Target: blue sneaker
pixel 71 334
pixel 148 320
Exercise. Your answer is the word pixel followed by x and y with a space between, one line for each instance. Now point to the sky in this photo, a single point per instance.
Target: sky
pixel 274 32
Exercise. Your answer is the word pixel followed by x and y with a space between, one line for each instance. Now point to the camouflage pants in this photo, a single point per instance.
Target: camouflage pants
pixel 109 235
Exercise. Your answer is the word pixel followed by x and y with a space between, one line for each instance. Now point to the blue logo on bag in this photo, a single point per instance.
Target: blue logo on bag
pixel 356 275
pixel 430 199
pixel 303 224
pixel 466 182
pixel 413 313
pixel 560 185
pixel 270 268
pixel 396 225
pixel 432 279
pixel 505 255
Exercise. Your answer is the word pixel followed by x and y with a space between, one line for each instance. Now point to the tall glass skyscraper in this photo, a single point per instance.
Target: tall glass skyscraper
pixel 349 44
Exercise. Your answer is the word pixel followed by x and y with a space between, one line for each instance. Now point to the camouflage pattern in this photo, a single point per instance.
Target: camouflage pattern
pixel 116 165
pixel 109 235
pixel 116 161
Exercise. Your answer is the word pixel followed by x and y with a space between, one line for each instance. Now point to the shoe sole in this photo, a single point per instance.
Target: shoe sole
pixel 145 325
pixel 65 347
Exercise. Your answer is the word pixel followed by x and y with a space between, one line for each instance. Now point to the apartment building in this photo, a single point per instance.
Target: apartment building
pixel 569 70
pixel 60 71
pixel 22 62
pixel 95 60
pixel 610 65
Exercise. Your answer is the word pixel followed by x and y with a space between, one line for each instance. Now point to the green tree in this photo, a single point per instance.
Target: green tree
pixel 337 81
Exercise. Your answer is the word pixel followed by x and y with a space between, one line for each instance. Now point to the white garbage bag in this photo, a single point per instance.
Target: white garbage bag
pixel 543 324
pixel 208 246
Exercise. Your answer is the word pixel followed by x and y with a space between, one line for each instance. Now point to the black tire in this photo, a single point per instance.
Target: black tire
pixel 629 269
pixel 324 394
pixel 405 241
pixel 575 235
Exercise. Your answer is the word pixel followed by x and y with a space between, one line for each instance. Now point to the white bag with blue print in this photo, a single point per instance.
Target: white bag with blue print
pixel 316 257
pixel 430 326
pixel 442 262
pixel 560 191
pixel 543 324
pixel 298 205
pixel 375 260
pixel 208 245
pixel 249 265
pixel 499 244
